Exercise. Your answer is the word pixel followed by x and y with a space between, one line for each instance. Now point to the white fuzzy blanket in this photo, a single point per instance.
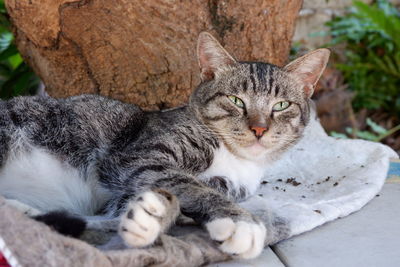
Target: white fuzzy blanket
pixel 321 179
pixel 318 180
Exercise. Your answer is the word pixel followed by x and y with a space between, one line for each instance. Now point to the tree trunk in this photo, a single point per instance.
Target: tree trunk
pixel 143 52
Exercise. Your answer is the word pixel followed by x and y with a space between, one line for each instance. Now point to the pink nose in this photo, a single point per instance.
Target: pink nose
pixel 258 130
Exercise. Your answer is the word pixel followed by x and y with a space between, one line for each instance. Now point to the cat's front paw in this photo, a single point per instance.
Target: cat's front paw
pixel 145 218
pixel 244 239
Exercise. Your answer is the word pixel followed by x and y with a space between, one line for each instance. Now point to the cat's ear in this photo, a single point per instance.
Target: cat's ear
pixel 212 56
pixel 309 68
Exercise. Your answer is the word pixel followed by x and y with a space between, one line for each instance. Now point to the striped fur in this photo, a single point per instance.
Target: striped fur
pixel 122 151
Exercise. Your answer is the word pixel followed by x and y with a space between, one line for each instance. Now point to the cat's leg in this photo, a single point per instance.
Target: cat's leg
pixel 147 216
pixel 24 208
pixel 239 232
pixel 226 188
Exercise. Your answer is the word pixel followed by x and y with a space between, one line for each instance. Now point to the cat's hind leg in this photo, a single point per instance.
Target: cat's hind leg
pixel 148 216
pixel 24 208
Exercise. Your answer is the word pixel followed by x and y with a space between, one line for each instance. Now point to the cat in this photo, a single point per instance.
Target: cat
pixel 91 155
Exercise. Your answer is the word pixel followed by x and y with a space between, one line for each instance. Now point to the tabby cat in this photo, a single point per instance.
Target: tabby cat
pixel 90 155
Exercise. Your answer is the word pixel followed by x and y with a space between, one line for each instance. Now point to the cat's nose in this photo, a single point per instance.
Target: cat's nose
pixel 258 130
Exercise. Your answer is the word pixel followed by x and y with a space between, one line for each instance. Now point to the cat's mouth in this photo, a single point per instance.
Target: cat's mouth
pixel 256 148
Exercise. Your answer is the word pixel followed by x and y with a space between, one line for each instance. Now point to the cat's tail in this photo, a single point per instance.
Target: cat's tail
pixel 63 222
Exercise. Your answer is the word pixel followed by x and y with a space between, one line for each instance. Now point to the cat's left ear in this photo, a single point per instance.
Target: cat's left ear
pixel 309 68
pixel 212 56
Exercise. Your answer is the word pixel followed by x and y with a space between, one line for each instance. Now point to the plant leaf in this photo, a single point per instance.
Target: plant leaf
pixel 376 127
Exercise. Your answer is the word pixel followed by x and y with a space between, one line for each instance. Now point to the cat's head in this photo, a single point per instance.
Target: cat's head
pixel 256 109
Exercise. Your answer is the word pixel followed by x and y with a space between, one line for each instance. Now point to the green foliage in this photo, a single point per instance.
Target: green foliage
pixel 376 134
pixel 372 65
pixel 15 76
pixel 296 50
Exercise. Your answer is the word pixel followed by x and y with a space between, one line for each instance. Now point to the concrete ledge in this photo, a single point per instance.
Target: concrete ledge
pixel 369 237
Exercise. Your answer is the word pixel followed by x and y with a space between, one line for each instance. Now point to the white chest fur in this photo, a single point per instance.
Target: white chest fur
pixel 242 172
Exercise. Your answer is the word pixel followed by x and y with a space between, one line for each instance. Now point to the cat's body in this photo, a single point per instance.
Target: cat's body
pixel 93 155
pixel 95 148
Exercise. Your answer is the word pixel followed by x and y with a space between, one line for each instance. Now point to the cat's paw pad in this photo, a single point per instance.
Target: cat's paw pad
pixel 141 224
pixel 242 239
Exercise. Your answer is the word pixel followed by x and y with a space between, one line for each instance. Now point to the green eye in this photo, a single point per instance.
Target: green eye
pixel 236 100
pixel 281 106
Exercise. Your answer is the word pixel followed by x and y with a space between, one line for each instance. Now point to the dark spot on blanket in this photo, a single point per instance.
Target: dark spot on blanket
pixel 261 195
pixel 264 182
pixel 303 196
pixel 335 184
pixel 279 180
pixel 327 179
pixel 318 182
pixel 362 166
pixel 276 187
pixel 292 181
pixel 377 195
pixel 317 211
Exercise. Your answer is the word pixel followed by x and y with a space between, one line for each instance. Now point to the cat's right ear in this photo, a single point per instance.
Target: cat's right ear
pixel 309 68
pixel 212 57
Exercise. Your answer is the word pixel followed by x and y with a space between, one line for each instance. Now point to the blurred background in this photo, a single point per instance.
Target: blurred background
pixel 357 97
pixel 359 94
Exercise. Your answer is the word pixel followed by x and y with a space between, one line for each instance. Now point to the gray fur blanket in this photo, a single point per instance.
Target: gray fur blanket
pixel 318 180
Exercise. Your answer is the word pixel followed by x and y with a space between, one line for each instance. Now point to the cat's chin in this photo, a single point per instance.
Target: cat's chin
pixel 254 151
